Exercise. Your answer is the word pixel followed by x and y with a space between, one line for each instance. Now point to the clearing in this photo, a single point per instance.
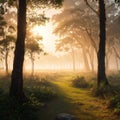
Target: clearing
pixel 76 101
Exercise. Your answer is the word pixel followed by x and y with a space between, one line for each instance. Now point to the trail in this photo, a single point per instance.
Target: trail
pixel 78 102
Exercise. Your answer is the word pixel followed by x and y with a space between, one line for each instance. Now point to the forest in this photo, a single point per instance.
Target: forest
pixel 59 60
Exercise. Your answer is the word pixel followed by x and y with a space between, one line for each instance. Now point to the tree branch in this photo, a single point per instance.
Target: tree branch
pixel 118 56
pixel 87 3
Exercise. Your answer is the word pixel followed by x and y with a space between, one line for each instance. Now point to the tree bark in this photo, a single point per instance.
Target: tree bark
pixel 16 89
pixel 101 52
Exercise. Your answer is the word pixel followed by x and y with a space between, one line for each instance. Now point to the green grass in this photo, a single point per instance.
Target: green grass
pixel 58 94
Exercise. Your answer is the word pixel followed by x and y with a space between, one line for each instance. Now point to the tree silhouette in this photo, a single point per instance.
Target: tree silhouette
pixel 16 89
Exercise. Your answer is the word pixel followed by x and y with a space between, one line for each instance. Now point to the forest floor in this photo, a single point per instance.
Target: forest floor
pixel 75 101
pixel 79 102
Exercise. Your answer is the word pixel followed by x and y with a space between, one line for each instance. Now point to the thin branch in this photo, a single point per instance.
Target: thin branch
pixel 118 56
pixel 87 3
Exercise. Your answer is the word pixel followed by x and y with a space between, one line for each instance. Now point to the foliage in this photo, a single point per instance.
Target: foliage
pixel 80 82
pixel 37 91
pixel 103 91
pixel 10 109
pixel 41 91
pixel 33 47
pixel 114 103
pixel 55 3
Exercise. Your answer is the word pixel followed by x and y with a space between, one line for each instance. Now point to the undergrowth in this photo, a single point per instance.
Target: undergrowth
pixel 38 91
pixel 114 104
pixel 82 82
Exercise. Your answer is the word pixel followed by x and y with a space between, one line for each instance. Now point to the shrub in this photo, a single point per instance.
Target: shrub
pixel 80 82
pixel 38 88
pixel 104 91
pixel 114 103
pixel 42 93
pixel 11 109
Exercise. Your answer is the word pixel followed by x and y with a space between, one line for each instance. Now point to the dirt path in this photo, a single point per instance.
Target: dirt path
pixel 76 101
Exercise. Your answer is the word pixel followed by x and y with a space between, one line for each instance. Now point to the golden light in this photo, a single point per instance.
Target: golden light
pixel 48 37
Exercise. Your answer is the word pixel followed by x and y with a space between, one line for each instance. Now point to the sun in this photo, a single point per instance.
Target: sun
pixel 38 30
pixel 46 32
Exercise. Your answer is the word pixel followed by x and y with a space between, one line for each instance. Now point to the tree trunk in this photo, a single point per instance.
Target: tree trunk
pixel 101 53
pixel 73 58
pixel 86 63
pixel 117 64
pixel 91 57
pixel 6 62
pixel 16 89
pixel 32 67
pixel 32 64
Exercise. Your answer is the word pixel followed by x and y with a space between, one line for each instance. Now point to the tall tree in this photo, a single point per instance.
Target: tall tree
pixel 101 77
pixel 102 45
pixel 16 89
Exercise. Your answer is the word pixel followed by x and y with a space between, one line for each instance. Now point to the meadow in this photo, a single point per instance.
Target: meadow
pixel 51 93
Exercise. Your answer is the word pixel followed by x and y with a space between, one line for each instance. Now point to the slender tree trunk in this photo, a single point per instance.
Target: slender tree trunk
pixel 86 63
pixel 16 89
pixel 117 64
pixel 91 57
pixel 6 62
pixel 32 64
pixel 73 59
pixel 101 53
pixel 32 67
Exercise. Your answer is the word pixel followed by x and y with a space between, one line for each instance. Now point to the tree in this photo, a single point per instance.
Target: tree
pixel 16 89
pixel 33 48
pixel 67 44
pixel 101 52
pixel 76 27
pixel 6 34
pixel 7 44
pixel 101 77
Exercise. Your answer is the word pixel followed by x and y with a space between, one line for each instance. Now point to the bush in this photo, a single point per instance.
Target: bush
pixel 42 93
pixel 38 88
pixel 11 109
pixel 114 103
pixel 104 91
pixel 80 82
pixel 37 91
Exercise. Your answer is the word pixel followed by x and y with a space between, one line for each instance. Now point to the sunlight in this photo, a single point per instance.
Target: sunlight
pixel 48 37
pixel 46 31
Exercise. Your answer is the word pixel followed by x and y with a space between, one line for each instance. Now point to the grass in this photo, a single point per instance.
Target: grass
pixel 59 95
